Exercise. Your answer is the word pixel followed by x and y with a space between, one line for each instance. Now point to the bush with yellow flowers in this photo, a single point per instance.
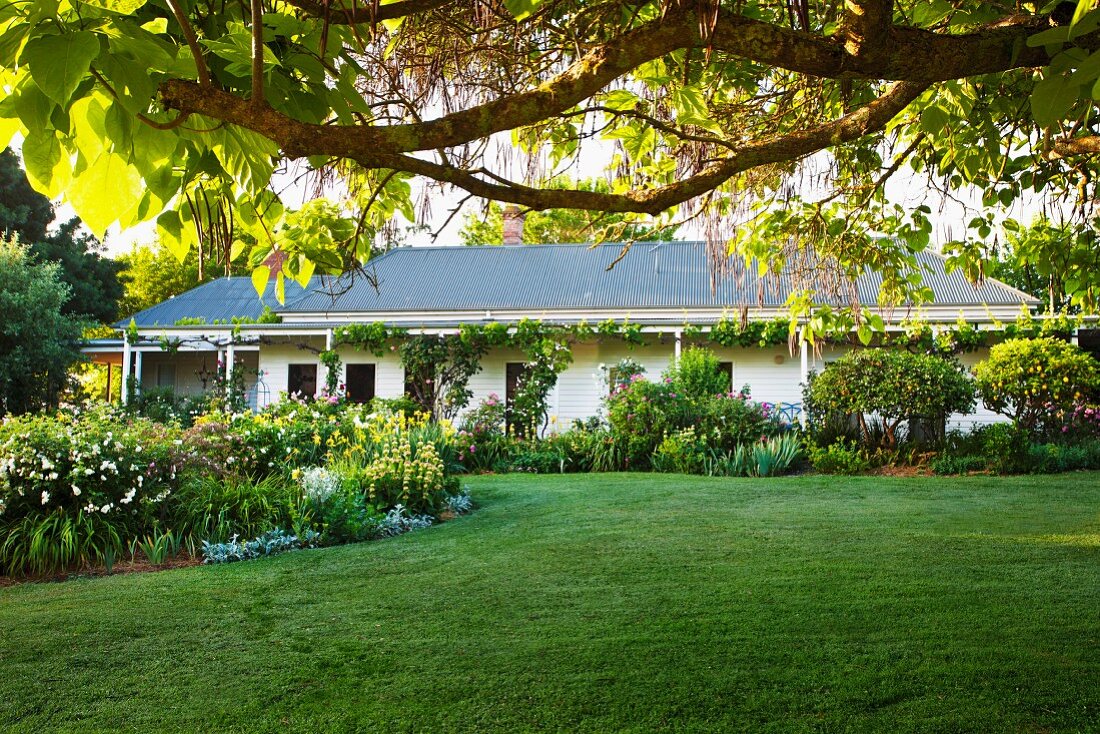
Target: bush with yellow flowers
pixel 1036 382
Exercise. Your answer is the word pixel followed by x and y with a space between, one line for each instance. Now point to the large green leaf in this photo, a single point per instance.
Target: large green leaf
pixel 108 189
pixel 48 167
pixel 1053 98
pixel 521 9
pixel 171 233
pixel 58 63
pixel 116 6
pixel 8 128
pixel 260 276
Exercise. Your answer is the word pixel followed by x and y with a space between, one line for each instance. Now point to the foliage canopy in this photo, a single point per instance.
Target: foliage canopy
pixel 182 110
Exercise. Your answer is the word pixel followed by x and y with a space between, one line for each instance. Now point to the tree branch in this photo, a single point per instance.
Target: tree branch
pixel 1086 145
pixel 865 120
pixel 915 55
pixel 192 42
pixel 367 12
pixel 866 27
pixel 257 54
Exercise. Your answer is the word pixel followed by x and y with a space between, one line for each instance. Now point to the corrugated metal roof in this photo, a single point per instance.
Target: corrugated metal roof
pixel 219 300
pixel 540 278
pixel 550 277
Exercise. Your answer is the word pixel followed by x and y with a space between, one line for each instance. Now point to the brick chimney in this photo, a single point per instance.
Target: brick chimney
pixel 513 225
pixel 275 261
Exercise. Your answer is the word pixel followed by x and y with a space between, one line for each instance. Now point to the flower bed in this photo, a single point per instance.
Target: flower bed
pixel 95 486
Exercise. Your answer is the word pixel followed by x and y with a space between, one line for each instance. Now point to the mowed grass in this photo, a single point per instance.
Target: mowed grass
pixel 606 603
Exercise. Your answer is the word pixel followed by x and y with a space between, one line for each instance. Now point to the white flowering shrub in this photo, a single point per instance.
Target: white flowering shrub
pixel 58 470
pixel 90 463
pixel 319 484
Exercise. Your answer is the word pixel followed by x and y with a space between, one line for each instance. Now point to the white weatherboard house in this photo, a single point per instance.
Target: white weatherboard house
pixel 433 290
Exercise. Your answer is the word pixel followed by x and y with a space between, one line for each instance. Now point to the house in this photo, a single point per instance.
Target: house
pixel 670 290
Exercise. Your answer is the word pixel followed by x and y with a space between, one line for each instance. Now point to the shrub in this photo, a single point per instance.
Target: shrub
pixel 482 442
pixel 642 413
pixel 215 508
pixel 950 464
pixel 487 418
pixel 842 457
pixel 1083 420
pixel 883 388
pixel 403 474
pixel 533 458
pixel 680 452
pixel 1005 447
pixel 270 543
pixel 697 374
pixel 622 373
pixel 346 516
pixel 164 405
pixel 1036 382
pixel 94 462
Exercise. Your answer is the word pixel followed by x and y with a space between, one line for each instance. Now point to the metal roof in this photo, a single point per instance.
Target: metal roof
pixel 541 278
pixel 550 277
pixel 220 300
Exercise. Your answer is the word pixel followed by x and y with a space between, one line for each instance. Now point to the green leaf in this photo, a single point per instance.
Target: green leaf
pixel 1059 34
pixel 48 167
pixel 1083 6
pixel 260 276
pixel 170 234
pixel 32 106
pixel 934 119
pixel 1053 98
pixel 107 189
pixel 58 63
pixel 124 7
pixel 8 128
pixel 521 9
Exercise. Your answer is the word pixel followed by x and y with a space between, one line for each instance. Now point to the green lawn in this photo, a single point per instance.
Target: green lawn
pixel 606 602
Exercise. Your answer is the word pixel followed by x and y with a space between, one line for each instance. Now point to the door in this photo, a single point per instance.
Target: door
pixel 359 383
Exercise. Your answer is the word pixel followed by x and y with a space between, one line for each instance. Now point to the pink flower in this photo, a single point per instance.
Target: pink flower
pixel 472 448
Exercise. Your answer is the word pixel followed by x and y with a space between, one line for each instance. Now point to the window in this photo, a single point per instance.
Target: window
pixel 726 368
pixel 360 383
pixel 1089 340
pixel 302 380
pixel 166 376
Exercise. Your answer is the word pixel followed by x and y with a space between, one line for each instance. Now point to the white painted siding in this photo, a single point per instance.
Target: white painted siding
pixel 772 374
pixel 275 361
pixel 389 375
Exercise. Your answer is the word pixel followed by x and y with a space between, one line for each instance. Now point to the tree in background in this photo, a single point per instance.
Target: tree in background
pixel 152 274
pixel 1058 263
pixel 38 341
pixel 94 286
pixel 23 211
